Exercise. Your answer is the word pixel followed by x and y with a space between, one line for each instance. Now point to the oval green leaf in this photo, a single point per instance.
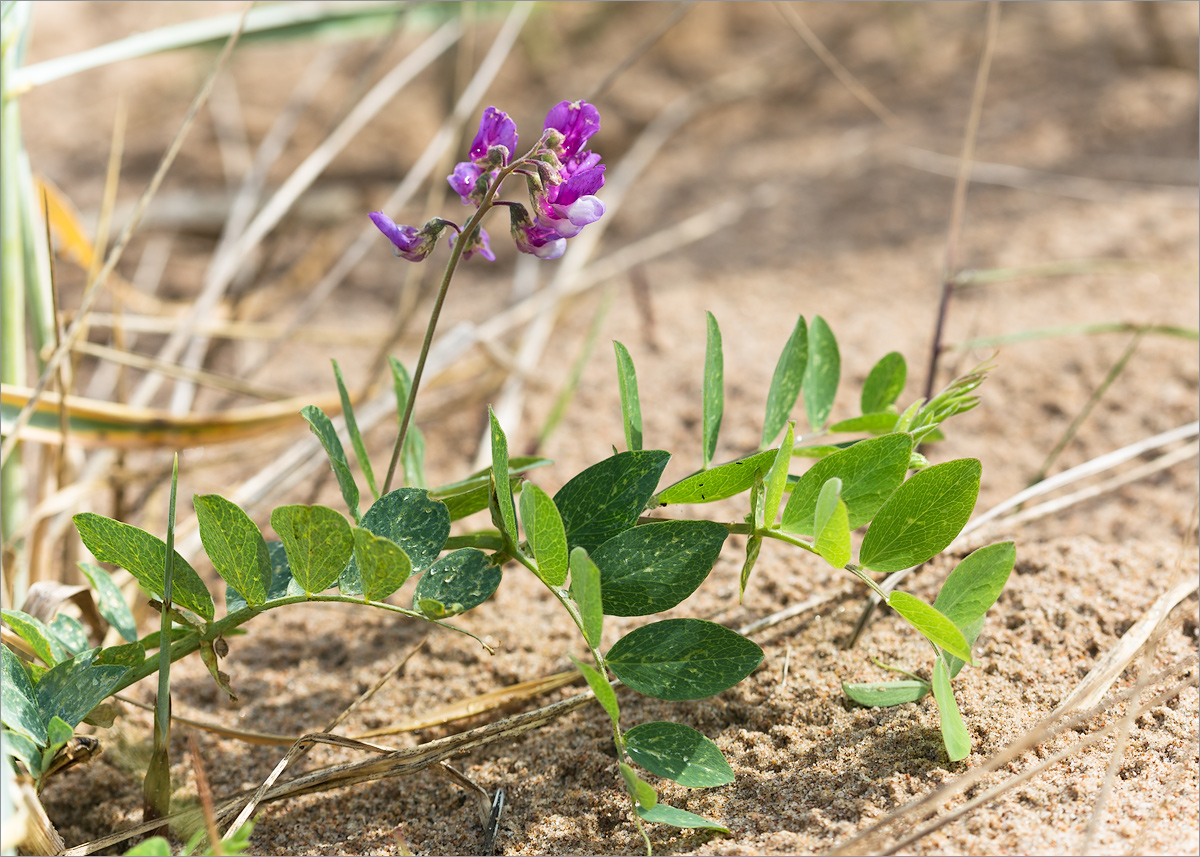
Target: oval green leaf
pixel 884 384
pixel 607 498
pixel 873 423
pixel 605 695
pixel 459 581
pixel 786 381
pixel 73 688
pixel 679 659
pixel 144 556
pixel 870 470
pixel 546 533
pixel 504 497
pixel 412 519
pixel 831 525
pixel 38 635
pixel 678 753
pixel 717 483
pixel 822 373
pixel 976 582
pixel 318 543
pixel 922 516
pixel 20 711
pixel 653 567
pixel 776 481
pixel 937 628
pixel 235 546
pixel 383 566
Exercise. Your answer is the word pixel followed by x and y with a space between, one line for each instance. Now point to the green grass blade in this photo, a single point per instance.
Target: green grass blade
pixel 156 788
pixel 714 390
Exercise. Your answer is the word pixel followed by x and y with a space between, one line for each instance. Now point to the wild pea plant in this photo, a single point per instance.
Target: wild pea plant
pixel 602 545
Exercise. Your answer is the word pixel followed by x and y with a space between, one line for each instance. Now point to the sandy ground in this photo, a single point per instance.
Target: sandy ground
pixel 1097 108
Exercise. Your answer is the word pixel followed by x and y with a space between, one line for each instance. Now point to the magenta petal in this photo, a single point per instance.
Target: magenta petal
pixel 576 121
pixel 495 129
pixel 406 238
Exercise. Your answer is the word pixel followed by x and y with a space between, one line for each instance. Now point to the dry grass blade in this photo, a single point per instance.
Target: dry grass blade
pixel 99 424
pixel 72 334
pixel 242 330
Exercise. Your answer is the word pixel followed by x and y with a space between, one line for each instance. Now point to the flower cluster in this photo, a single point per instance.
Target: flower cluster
pixel 563 177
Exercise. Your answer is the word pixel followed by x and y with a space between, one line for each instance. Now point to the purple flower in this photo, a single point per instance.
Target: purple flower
pixel 411 243
pixel 495 129
pixel 478 242
pixel 576 121
pixel 571 204
pixel 533 239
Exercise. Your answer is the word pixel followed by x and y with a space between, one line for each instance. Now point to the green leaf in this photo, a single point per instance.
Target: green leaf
pixel 639 789
pixel 38 635
pixel 322 427
pixel 128 655
pixel 873 423
pixel 786 381
pixel 236 547
pixel 470 495
pixel 383 566
pixel 679 659
pixel 412 457
pixel 831 525
pixel 24 749
pixel 504 498
pixel 459 581
pixel 144 556
pixel 776 481
pixel 971 589
pixel 937 628
pixel 356 440
pixel 870 470
pixel 954 731
pixel 73 688
pixel 714 390
pixel 70 632
pixel 884 384
pixel 976 582
pixel 822 373
pixel 922 516
pixel 155 846
pixel 882 694
pixel 663 814
pixel 631 407
pixel 282 584
pixel 753 546
pixel 412 519
pixel 20 711
pixel 653 567
pixel 717 483
pixel 110 601
pixel 318 544
pixel 586 592
pixel 678 753
pixel 607 498
pixel 605 695
pixel 546 534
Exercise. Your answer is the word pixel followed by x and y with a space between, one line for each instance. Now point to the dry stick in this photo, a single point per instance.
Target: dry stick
pixel 92 292
pixel 1042 731
pixel 958 207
